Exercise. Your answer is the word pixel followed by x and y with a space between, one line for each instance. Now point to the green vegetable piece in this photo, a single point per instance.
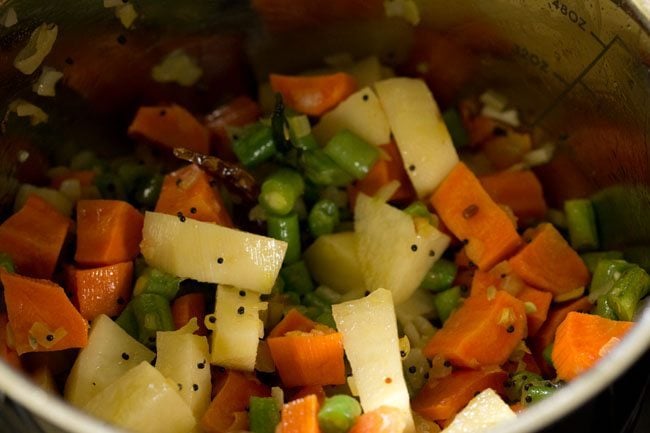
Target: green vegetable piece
pixel 546 354
pixel 254 144
pixel 153 314
pixel 86 160
pixel 537 391
pixel 515 384
pixel 148 191
pixel 263 415
pixel 440 277
pixel 338 414
pixel 157 282
pixel 591 259
pixel 639 255
pixel 110 186
pixel 280 191
pixel 323 217
pixel 454 123
pixel 6 262
pixel 127 321
pixel 326 319
pixel 296 278
pixel 133 174
pixel 603 309
pixel 446 302
pixel 352 153
pixel 607 272
pixel 300 132
pixel 419 209
pixel 581 222
pixel 286 228
pixel 320 169
pixel 627 291
pixel 314 300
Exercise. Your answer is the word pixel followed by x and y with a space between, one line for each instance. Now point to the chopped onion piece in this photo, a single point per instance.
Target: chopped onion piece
pixel 539 156
pixel 278 395
pixel 9 18
pixel 509 117
pixel 45 86
pixel 494 100
pixel 39 45
pixel 406 9
pixel 177 67
pixel 127 14
pixel 23 108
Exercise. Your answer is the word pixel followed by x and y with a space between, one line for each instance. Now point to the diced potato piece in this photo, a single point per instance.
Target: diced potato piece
pixel 211 253
pixel 419 130
pixel 238 328
pixel 361 113
pixel 110 353
pixel 371 345
pixel 394 249
pixel 143 401
pixel 182 357
pixel 482 413
pixel 332 261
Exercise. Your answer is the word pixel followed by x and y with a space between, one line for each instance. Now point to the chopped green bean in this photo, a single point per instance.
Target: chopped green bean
pixel 153 314
pixel 110 186
pixel 314 300
pixel 581 222
pixel 323 218
pixel 352 153
pixel 440 276
pixel 133 174
pixel 338 414
pixel 6 262
pixel 417 208
pixel 280 191
pixel 264 414
pixel 286 228
pixel 254 144
pixel 158 282
pixel 326 319
pixel 296 278
pixel 627 291
pixel 300 132
pixel 454 123
pixel 606 274
pixel 127 321
pixel 446 302
pixel 322 170
pixel 591 259
pixel 603 309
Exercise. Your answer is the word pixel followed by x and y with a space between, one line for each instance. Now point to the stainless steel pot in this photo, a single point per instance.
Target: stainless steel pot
pixel 578 71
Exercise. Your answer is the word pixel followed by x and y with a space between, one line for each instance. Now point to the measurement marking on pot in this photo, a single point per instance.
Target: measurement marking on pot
pixel 569 13
pixel 578 80
pixel 560 78
pixel 530 58
pixel 593 35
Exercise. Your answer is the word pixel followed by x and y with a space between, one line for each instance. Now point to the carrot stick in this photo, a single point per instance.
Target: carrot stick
pixel 292 321
pixel 232 395
pixel 239 112
pixel 483 331
pixel 519 190
pixel 384 419
pixel 85 178
pixel 546 333
pixel 313 95
pixel 41 316
pixel 185 307
pixel 7 352
pixel 540 303
pixel 300 416
pixel 582 340
pixel 314 358
pixel 383 172
pixel 441 399
pixel 104 290
pixel 170 126
pixel 108 232
pixel 33 237
pixel 549 263
pixel 188 191
pixel 471 215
